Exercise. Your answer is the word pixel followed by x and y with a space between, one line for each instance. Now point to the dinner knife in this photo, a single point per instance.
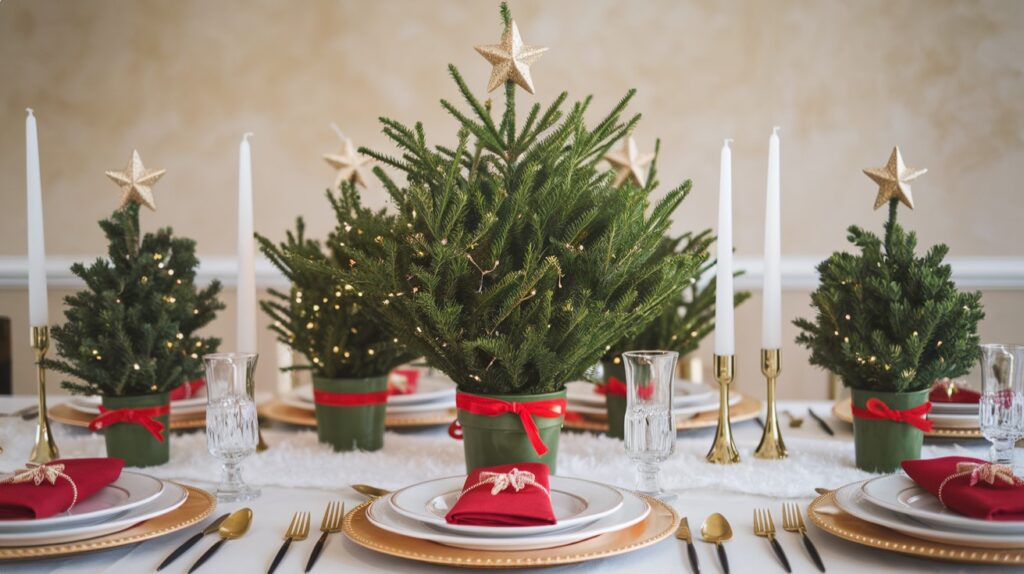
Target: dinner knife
pixel 212 528
pixel 821 422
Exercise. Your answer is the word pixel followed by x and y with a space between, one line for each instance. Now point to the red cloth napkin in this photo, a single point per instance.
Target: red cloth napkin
pixel 962 395
pixel 26 500
pixel 411 377
pixel 530 506
pixel 187 390
pixel 999 501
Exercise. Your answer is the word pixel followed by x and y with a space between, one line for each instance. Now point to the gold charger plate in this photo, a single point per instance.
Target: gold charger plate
pixel 660 524
pixel 276 410
pixel 746 409
pixel 838 523
pixel 196 507
pixel 74 417
pixel 842 410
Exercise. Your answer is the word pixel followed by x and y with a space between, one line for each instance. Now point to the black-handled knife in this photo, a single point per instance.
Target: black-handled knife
pixel 722 557
pixel 206 556
pixel 778 552
pixel 821 422
pixel 280 555
pixel 316 551
pixel 692 552
pixel 813 552
pixel 213 526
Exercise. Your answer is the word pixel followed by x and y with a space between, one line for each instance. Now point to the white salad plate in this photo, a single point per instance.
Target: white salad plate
pixel 968 421
pixel 302 398
pixel 704 406
pixel 576 503
pixel 955 409
pixel 172 497
pixel 686 393
pixel 901 494
pixel 382 515
pixel 852 500
pixel 429 388
pixel 129 491
pixel 91 404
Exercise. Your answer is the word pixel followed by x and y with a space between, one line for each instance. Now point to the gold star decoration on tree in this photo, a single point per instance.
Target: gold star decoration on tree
pixel 348 162
pixel 136 182
pixel 511 59
pixel 894 180
pixel 629 163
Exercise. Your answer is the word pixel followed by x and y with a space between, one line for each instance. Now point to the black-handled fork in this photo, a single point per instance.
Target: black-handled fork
pixel 764 526
pixel 793 521
pixel 330 524
pixel 297 530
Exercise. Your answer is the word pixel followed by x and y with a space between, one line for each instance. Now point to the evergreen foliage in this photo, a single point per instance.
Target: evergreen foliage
pixel 322 318
pixel 515 263
pixel 888 320
pixel 132 330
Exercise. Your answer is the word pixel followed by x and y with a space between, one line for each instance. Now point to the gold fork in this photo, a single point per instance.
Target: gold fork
pixel 683 533
pixel 297 530
pixel 330 524
pixel 764 526
pixel 793 521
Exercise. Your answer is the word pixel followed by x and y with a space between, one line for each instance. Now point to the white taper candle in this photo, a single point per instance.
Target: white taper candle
pixel 771 309
pixel 725 341
pixel 246 293
pixel 38 313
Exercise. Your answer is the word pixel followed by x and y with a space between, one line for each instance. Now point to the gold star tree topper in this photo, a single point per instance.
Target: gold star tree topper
pixel 894 180
pixel 511 59
pixel 136 182
pixel 629 163
pixel 348 162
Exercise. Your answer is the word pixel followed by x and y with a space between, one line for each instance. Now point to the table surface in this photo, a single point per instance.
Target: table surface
pixel 747 553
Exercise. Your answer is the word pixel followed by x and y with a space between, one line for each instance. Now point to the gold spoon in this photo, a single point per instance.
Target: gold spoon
pixel 794 421
pixel 716 529
pixel 371 491
pixel 233 527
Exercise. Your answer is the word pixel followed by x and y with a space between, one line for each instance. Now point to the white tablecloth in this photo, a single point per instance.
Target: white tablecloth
pixel 702 490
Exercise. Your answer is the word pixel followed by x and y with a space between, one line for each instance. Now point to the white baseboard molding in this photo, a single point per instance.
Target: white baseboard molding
pixel 798 272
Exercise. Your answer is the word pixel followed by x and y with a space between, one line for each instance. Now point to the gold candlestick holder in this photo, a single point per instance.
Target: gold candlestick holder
pixel 723 450
pixel 45 450
pixel 771 446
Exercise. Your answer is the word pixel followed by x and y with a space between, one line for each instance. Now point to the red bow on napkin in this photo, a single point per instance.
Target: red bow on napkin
pixel 506 495
pixel 187 390
pixel 877 410
pixel 43 490
pixel 403 381
pixel 616 387
pixel 940 394
pixel 971 486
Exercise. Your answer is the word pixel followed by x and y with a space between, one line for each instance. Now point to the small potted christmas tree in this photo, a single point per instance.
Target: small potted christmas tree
pixel 890 324
pixel 348 351
pixel 515 262
pixel 130 335
pixel 683 323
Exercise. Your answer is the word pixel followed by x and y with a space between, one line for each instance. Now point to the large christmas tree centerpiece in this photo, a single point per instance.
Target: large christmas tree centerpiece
pixel 347 349
pixel 516 262
pixel 890 324
pixel 130 335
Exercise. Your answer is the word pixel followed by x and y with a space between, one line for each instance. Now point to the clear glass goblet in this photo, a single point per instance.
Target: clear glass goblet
pixel 650 426
pixel 232 431
pixel 1001 408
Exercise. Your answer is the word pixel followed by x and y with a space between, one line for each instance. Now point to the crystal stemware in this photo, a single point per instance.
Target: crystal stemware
pixel 1001 408
pixel 650 429
pixel 231 425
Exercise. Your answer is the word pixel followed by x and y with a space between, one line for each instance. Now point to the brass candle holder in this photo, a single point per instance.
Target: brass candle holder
pixel 45 450
pixel 771 446
pixel 723 450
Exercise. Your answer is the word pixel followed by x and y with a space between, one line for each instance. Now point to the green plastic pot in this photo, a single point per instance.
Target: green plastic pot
pixel 881 445
pixel 491 441
pixel 615 404
pixel 133 442
pixel 351 427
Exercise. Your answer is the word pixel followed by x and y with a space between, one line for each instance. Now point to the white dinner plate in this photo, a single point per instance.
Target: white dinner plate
pixel 382 515
pixel 685 412
pixel 968 421
pixel 955 409
pixel 298 399
pixel 901 494
pixel 852 500
pixel 576 503
pixel 686 393
pixel 191 406
pixel 130 490
pixel 172 497
pixel 430 387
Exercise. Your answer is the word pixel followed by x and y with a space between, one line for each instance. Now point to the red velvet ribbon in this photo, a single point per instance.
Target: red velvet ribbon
pixel 141 416
pixel 349 399
pixel 488 407
pixel 877 410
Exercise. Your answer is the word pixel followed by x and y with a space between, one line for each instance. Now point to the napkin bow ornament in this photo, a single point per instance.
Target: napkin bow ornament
pixel 987 472
pixel 877 410
pixel 500 481
pixel 40 473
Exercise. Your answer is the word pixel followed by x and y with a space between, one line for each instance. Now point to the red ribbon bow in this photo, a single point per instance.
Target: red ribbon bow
pixel 143 417
pixel 488 407
pixel 612 387
pixel 349 399
pixel 877 410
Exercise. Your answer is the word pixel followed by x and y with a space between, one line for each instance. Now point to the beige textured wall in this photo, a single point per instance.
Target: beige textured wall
pixel 182 80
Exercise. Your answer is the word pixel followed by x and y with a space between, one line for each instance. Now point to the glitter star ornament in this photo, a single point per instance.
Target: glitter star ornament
pixel 136 182
pixel 511 59
pixel 629 163
pixel 894 180
pixel 348 162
